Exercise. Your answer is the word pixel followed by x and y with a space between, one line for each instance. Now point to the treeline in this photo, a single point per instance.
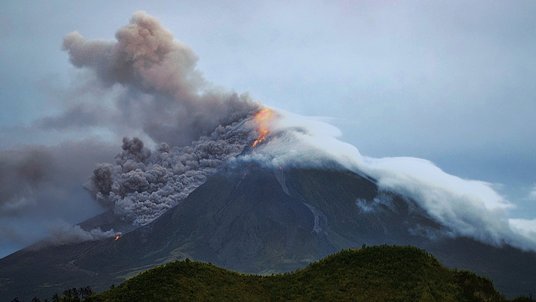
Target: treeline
pixel 69 295
pixel 380 273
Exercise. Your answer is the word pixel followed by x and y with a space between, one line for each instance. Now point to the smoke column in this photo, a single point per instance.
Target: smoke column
pixel 161 93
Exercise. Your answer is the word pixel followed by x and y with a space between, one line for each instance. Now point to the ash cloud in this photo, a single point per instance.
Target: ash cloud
pixel 141 185
pixel 39 184
pixel 41 176
pixel 21 175
pixel 145 84
pixel 64 233
pixel 158 90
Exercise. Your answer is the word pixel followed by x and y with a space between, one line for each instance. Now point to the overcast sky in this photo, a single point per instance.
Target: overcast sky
pixel 449 81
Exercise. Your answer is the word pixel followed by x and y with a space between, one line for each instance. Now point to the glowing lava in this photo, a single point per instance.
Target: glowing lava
pixel 117 236
pixel 262 118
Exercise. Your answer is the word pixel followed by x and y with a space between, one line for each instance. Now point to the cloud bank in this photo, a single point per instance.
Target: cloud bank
pixel 468 208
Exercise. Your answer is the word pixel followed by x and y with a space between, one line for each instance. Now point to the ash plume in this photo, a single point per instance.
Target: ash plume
pixel 161 93
pixel 141 185
pixel 144 84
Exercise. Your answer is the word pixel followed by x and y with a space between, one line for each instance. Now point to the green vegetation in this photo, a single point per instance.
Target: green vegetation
pixel 382 273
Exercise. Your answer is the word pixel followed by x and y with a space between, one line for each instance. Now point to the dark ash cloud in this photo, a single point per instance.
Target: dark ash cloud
pixel 142 184
pixel 41 184
pixel 21 175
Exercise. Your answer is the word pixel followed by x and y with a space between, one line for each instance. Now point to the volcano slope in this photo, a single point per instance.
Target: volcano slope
pixel 255 219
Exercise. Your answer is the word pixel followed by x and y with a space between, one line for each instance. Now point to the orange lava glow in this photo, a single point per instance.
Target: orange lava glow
pixel 262 118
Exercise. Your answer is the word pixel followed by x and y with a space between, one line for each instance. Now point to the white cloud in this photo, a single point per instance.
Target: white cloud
pixel 532 194
pixel 468 207
pixel 527 227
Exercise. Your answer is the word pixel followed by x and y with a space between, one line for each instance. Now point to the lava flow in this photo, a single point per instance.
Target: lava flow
pixel 262 118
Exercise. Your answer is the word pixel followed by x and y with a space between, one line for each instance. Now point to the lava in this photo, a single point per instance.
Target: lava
pixel 117 236
pixel 262 118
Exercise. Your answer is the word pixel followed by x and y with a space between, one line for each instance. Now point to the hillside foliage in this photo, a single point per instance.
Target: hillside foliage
pixel 381 273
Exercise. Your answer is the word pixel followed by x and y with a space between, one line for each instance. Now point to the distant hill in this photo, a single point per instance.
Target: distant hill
pixel 381 273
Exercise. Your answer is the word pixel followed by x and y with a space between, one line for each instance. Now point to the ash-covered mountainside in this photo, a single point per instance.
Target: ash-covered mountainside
pixel 252 218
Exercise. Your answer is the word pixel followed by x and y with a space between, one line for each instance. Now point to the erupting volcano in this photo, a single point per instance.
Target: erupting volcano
pixel 224 179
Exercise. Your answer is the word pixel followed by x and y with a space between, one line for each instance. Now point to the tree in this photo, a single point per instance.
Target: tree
pixel 56 298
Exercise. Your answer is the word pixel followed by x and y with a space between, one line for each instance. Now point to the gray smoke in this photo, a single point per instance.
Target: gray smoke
pixel 161 93
pixel 41 178
pixel 21 175
pixel 143 84
pixel 40 184
pixel 141 185
pixel 64 233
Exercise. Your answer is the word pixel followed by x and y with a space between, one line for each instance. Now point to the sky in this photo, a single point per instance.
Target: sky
pixel 448 81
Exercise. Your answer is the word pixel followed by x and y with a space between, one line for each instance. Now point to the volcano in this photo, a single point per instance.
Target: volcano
pixel 251 218
pixel 232 182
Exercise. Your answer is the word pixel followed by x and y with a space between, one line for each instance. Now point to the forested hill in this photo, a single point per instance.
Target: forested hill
pixel 382 273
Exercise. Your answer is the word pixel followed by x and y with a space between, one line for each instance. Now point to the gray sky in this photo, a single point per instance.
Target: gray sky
pixel 449 81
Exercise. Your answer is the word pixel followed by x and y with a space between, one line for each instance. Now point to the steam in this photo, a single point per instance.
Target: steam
pixel 467 207
pixel 155 87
